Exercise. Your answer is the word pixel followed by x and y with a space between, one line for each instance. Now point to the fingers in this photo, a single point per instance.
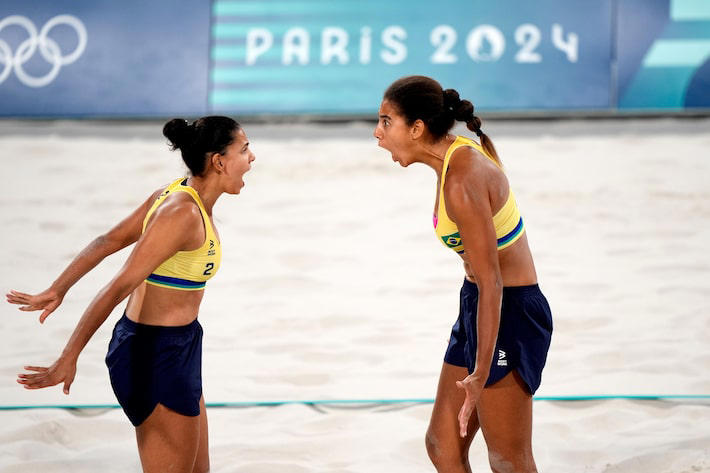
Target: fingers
pixel 468 406
pixel 41 379
pixel 60 371
pixel 24 378
pixel 464 417
pixel 14 297
pixel 43 382
pixel 29 308
pixel 44 315
pixel 465 411
pixel 30 303
pixel 19 297
pixel 67 384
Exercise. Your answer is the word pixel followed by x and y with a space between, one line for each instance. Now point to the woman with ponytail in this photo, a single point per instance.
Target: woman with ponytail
pixel 499 343
pixel 155 355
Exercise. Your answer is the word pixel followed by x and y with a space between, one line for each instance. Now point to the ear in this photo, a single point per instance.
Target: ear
pixel 417 129
pixel 217 162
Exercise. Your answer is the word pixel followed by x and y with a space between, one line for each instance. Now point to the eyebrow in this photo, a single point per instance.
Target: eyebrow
pixel 385 116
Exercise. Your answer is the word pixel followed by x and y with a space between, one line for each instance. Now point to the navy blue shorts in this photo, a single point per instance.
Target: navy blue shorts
pixel 523 336
pixel 150 364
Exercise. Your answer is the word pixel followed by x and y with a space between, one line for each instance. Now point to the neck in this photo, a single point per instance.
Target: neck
pixel 433 154
pixel 206 189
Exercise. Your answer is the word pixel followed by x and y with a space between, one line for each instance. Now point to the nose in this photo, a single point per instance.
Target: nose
pixel 252 157
pixel 378 132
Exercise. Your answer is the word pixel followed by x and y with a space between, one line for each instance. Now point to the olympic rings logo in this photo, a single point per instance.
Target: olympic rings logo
pixel 48 48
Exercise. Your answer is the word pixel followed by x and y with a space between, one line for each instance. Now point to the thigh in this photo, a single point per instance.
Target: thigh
pixel 505 416
pixel 168 441
pixel 202 461
pixel 443 433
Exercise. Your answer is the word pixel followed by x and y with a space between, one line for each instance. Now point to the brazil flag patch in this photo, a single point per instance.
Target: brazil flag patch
pixel 453 240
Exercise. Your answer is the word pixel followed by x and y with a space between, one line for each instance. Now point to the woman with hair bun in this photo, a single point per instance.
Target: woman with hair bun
pixel 155 354
pixel 499 343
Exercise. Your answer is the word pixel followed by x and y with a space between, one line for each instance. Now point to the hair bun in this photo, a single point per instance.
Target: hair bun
pixel 179 132
pixel 451 100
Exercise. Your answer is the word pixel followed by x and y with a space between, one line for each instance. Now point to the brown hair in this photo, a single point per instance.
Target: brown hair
pixel 422 98
pixel 196 140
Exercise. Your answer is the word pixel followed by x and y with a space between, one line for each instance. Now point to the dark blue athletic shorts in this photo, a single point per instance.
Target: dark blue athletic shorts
pixel 150 364
pixel 523 336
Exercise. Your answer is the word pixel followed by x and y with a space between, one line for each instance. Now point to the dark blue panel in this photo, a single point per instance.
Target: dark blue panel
pixel 698 92
pixel 639 23
pixel 142 58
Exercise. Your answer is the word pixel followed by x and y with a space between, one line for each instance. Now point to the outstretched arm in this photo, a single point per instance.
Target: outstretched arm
pixel 125 233
pixel 468 204
pixel 158 243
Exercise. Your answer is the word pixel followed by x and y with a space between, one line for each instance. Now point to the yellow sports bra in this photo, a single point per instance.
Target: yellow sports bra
pixel 507 221
pixel 187 270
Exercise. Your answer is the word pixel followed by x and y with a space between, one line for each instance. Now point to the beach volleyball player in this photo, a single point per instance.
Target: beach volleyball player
pixel 498 345
pixel 154 357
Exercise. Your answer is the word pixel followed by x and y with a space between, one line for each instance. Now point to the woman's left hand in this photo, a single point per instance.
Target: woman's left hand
pixel 473 387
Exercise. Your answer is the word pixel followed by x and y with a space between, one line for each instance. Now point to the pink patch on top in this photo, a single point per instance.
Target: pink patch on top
pixel 435 220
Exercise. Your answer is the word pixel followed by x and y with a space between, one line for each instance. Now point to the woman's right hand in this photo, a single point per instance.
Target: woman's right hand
pixel 46 301
pixel 62 370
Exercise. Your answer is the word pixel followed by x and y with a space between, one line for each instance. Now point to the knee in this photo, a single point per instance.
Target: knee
pixel 443 454
pixel 499 463
pixel 432 446
pixel 201 466
pixel 521 462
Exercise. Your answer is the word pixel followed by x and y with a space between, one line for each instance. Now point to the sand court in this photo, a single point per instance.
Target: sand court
pixel 333 287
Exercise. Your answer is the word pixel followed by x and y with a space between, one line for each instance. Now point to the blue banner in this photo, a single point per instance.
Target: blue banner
pixel 75 58
pixel 316 56
pixel 103 58
pixel 664 54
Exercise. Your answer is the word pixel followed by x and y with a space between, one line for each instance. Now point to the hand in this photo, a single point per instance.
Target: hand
pixel 61 370
pixel 46 300
pixel 473 388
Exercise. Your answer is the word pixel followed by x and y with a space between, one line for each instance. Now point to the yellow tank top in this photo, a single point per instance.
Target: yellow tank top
pixel 507 221
pixel 187 270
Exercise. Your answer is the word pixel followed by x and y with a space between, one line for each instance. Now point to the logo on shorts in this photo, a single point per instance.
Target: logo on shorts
pixel 502 361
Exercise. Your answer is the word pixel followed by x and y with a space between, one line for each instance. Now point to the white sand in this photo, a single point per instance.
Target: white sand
pixel 333 286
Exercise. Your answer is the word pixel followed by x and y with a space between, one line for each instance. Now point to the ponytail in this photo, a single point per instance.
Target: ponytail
pixel 474 124
pixel 463 112
pixel 419 97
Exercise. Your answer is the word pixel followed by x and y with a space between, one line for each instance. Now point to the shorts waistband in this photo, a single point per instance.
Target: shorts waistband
pixel 159 329
pixel 507 290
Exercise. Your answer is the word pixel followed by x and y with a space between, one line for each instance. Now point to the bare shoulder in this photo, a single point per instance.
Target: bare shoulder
pixel 156 193
pixel 468 166
pixel 178 209
pixel 148 203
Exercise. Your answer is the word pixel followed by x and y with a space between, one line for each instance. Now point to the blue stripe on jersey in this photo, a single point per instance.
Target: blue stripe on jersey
pixel 513 233
pixel 175 282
